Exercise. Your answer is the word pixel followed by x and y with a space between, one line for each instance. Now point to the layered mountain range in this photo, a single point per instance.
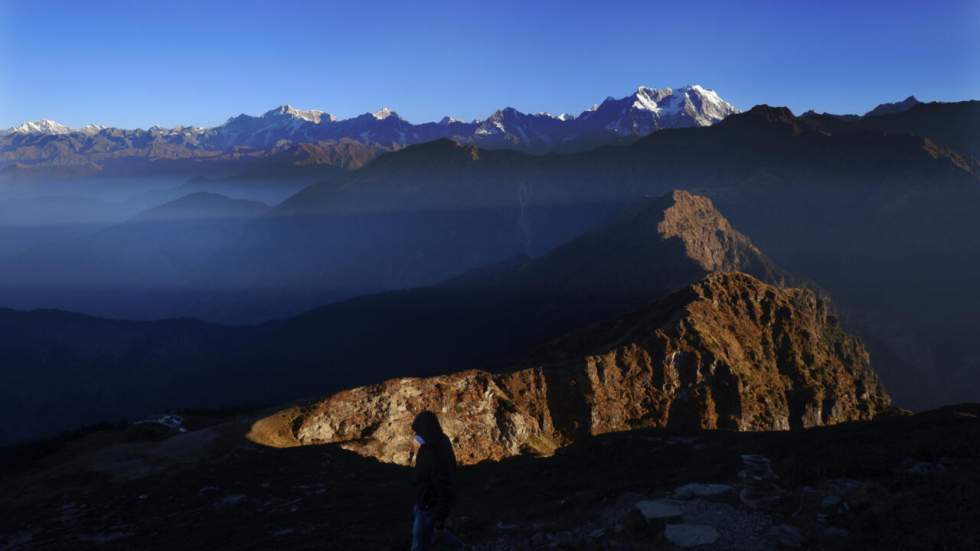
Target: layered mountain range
pixel 434 210
pixel 474 242
pixel 487 318
pixel 872 208
pixel 293 136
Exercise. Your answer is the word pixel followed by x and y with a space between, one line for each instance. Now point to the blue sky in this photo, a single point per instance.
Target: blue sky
pixel 143 62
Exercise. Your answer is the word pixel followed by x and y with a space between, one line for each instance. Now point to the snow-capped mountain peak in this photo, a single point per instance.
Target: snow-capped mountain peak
pixel 92 129
pixel 648 99
pixel 310 115
pixel 649 109
pixel 43 126
pixel 705 106
pixel 384 113
pixel 615 120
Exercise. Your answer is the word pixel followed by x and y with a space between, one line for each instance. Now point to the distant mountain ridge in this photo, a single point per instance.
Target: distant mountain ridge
pixel 47 143
pixel 896 107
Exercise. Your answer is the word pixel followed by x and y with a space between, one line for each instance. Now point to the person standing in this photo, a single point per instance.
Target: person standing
pixel 435 491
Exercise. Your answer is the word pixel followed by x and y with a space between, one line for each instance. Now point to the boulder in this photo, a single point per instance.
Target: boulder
pixel 691 535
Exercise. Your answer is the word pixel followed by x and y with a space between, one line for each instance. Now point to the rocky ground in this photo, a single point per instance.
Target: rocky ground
pixel 902 482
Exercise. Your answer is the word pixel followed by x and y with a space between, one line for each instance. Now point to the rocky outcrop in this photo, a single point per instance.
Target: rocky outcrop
pixel 728 352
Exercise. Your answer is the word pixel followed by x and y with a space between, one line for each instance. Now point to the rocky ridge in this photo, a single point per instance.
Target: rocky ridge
pixel 656 247
pixel 728 352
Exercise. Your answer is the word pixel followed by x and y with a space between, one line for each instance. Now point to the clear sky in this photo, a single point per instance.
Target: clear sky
pixel 141 62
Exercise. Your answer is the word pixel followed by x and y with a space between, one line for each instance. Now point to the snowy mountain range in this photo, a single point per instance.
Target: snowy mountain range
pixel 45 143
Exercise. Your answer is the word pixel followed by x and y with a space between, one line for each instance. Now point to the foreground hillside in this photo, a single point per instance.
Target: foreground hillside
pixel 903 482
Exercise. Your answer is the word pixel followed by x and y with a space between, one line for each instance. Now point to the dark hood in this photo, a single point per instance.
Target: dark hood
pixel 426 425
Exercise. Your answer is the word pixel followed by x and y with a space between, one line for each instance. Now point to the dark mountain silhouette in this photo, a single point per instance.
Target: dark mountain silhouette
pixel 432 211
pixel 486 317
pixel 897 107
pixel 65 370
pixel 869 213
pixel 206 206
pixel 481 319
pixel 951 125
pixel 145 263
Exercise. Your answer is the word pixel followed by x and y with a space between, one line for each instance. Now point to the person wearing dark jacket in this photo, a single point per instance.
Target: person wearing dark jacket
pixel 435 492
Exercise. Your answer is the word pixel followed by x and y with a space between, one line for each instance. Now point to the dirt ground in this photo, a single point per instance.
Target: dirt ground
pixel 907 482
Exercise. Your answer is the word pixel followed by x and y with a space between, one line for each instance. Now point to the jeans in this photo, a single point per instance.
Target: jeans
pixel 423 530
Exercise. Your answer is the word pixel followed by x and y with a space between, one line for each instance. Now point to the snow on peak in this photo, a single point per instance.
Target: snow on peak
pixel 384 113
pixel 561 117
pixel 309 115
pixel 649 99
pixel 43 126
pixel 704 105
pixel 450 120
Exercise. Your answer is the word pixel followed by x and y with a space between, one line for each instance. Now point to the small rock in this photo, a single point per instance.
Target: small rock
pixel 658 509
pixel 690 535
pixel 21 538
pixel 233 499
pixel 505 526
pixel 829 502
pixel 834 532
pixel 845 486
pixel 597 533
pixel 758 497
pixel 564 538
pixel 208 490
pixel 689 491
pixel 787 535
pixel 923 468
pixel 757 465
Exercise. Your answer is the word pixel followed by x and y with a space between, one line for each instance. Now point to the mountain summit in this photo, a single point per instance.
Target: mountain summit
pixel 897 107
pixel 650 109
pixel 43 126
pixel 314 116
pixel 653 249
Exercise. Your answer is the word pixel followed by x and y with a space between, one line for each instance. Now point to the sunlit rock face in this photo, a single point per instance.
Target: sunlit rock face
pixel 728 352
